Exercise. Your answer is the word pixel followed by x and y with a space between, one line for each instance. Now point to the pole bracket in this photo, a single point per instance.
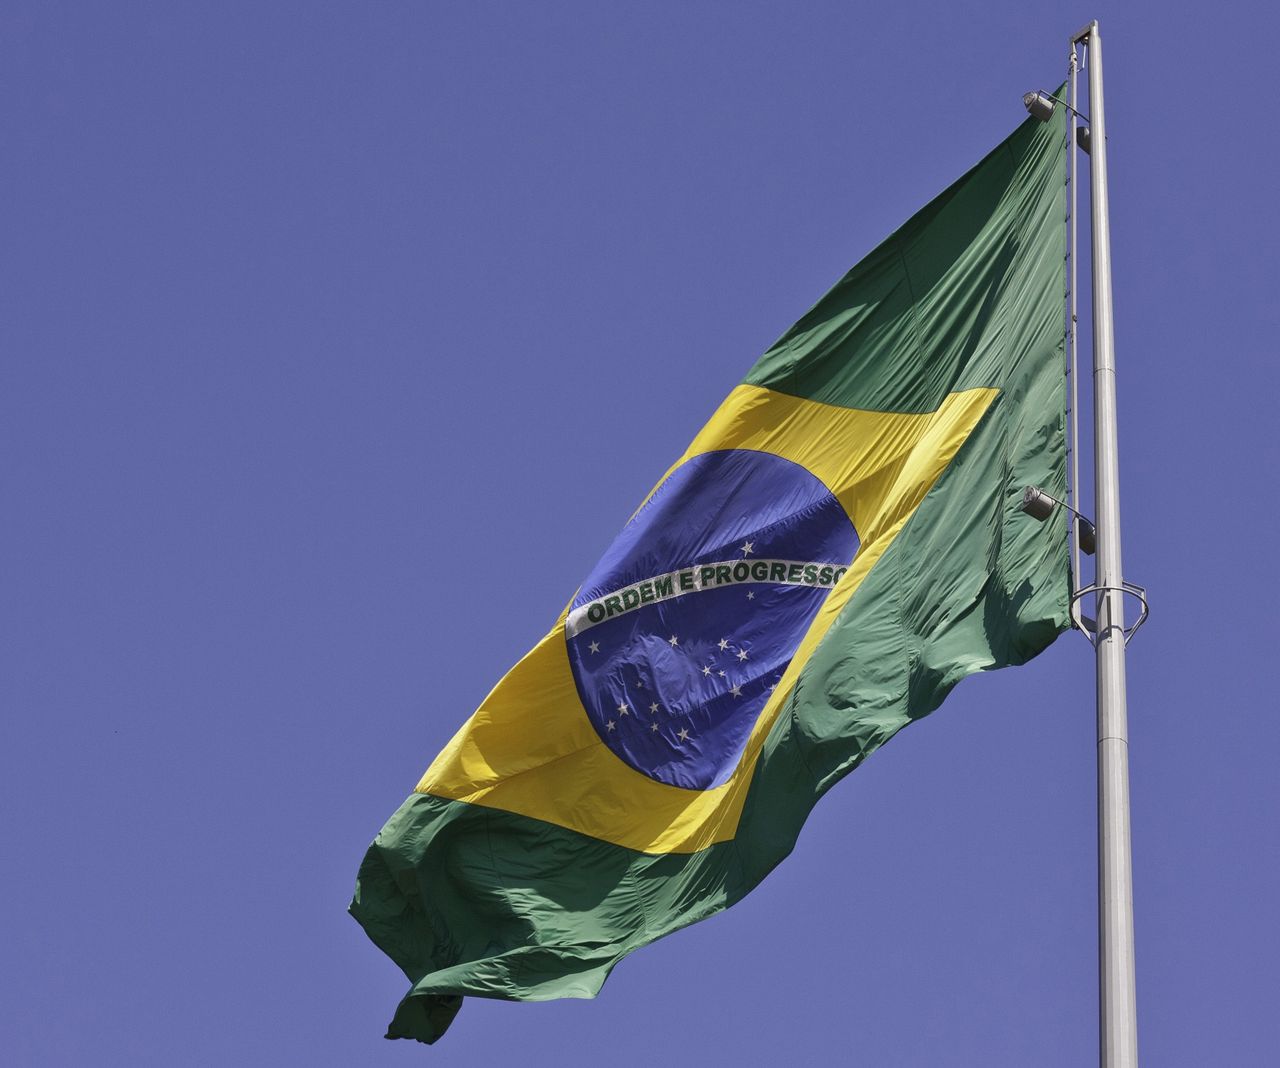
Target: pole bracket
pixel 1089 627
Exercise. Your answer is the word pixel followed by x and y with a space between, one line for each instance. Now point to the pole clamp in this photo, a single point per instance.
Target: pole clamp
pixel 1089 627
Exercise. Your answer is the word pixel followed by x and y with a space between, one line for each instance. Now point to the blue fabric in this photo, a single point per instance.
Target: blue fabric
pixel 704 691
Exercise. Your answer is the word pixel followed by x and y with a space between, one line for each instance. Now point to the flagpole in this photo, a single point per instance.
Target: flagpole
pixel 1073 365
pixel 1117 997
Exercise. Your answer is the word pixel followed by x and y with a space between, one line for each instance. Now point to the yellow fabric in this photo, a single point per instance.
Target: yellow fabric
pixel 530 748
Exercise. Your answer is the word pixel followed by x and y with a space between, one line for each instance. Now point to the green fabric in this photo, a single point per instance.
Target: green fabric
pixel 472 900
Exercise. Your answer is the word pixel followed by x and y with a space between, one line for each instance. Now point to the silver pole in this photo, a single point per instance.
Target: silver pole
pixel 1118 1003
pixel 1074 496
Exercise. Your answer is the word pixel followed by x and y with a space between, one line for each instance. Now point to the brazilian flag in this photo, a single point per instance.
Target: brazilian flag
pixel 837 548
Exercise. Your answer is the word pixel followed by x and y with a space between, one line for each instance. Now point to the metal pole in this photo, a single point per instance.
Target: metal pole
pixel 1118 1003
pixel 1074 496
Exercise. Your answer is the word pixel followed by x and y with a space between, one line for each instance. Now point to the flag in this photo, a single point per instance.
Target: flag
pixel 836 549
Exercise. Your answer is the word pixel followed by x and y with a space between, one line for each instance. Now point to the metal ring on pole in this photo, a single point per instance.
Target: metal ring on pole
pixel 1090 630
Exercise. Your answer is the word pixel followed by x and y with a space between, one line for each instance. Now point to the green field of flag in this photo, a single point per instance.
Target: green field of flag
pixel 836 549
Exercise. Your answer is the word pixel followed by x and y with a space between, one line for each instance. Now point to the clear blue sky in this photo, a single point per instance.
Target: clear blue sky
pixel 311 313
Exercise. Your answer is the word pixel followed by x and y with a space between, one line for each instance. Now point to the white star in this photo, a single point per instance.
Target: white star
pixel 639 684
pixel 723 643
pixel 683 735
pixel 673 641
pixel 750 596
pixel 653 726
pixel 706 671
pixel 623 708
pixel 772 686
pixel 720 673
pixel 736 690
pixel 594 647
pixel 653 708
pixel 609 724
pixel 742 654
pixel 747 547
